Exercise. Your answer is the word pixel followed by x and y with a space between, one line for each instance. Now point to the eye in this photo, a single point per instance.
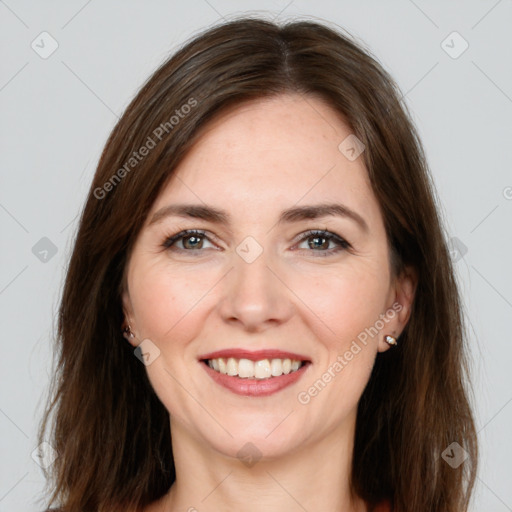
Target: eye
pixel 191 239
pixel 321 239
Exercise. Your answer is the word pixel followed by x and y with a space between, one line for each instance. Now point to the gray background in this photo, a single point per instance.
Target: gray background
pixel 57 112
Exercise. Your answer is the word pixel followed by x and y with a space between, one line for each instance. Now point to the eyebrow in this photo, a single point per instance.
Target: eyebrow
pixel 294 214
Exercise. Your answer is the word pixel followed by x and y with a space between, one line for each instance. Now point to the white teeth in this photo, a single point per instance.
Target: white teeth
pixel 245 368
pixel 276 367
pixel 232 367
pixel 262 369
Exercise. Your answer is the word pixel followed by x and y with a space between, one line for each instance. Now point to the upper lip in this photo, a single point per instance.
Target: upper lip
pixel 256 355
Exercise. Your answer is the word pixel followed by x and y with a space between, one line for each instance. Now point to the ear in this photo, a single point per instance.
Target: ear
pixel 399 306
pixel 128 314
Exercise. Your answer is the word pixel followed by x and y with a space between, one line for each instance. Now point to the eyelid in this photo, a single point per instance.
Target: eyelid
pixel 341 243
pixel 171 239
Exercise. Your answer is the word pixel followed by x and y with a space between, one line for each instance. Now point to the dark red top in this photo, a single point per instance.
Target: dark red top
pixel 383 506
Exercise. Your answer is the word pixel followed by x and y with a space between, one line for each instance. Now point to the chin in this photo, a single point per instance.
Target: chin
pixel 267 437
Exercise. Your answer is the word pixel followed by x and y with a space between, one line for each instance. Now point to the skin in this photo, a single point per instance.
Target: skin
pixel 255 160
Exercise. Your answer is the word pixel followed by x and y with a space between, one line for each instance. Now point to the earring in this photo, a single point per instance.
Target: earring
pixel 390 340
pixel 127 333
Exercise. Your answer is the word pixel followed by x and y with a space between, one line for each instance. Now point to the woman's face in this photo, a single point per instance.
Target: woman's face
pixel 257 281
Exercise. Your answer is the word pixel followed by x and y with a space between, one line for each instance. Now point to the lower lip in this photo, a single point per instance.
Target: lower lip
pixel 255 387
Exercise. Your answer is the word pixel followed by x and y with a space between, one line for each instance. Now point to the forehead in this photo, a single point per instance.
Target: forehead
pixel 268 154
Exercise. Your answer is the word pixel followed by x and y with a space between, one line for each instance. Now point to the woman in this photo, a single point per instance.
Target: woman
pixel 260 312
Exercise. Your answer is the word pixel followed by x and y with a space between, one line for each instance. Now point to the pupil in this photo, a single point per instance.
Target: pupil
pixel 192 237
pixel 319 238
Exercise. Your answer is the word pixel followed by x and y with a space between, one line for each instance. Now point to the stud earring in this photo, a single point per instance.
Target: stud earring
pixel 390 340
pixel 127 333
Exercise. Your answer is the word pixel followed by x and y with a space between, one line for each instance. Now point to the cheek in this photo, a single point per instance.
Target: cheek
pixel 348 303
pixel 344 301
pixel 165 301
pixel 169 310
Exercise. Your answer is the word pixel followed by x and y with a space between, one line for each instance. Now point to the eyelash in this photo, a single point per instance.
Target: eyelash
pixel 329 236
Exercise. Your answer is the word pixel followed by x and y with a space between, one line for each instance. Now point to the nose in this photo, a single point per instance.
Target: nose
pixel 256 295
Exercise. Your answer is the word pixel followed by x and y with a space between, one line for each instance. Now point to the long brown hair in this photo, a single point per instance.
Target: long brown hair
pixel 110 430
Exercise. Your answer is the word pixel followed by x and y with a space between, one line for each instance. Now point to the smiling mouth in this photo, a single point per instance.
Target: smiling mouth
pixel 248 369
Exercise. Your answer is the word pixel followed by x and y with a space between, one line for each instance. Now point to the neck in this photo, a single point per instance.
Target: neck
pixel 314 477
